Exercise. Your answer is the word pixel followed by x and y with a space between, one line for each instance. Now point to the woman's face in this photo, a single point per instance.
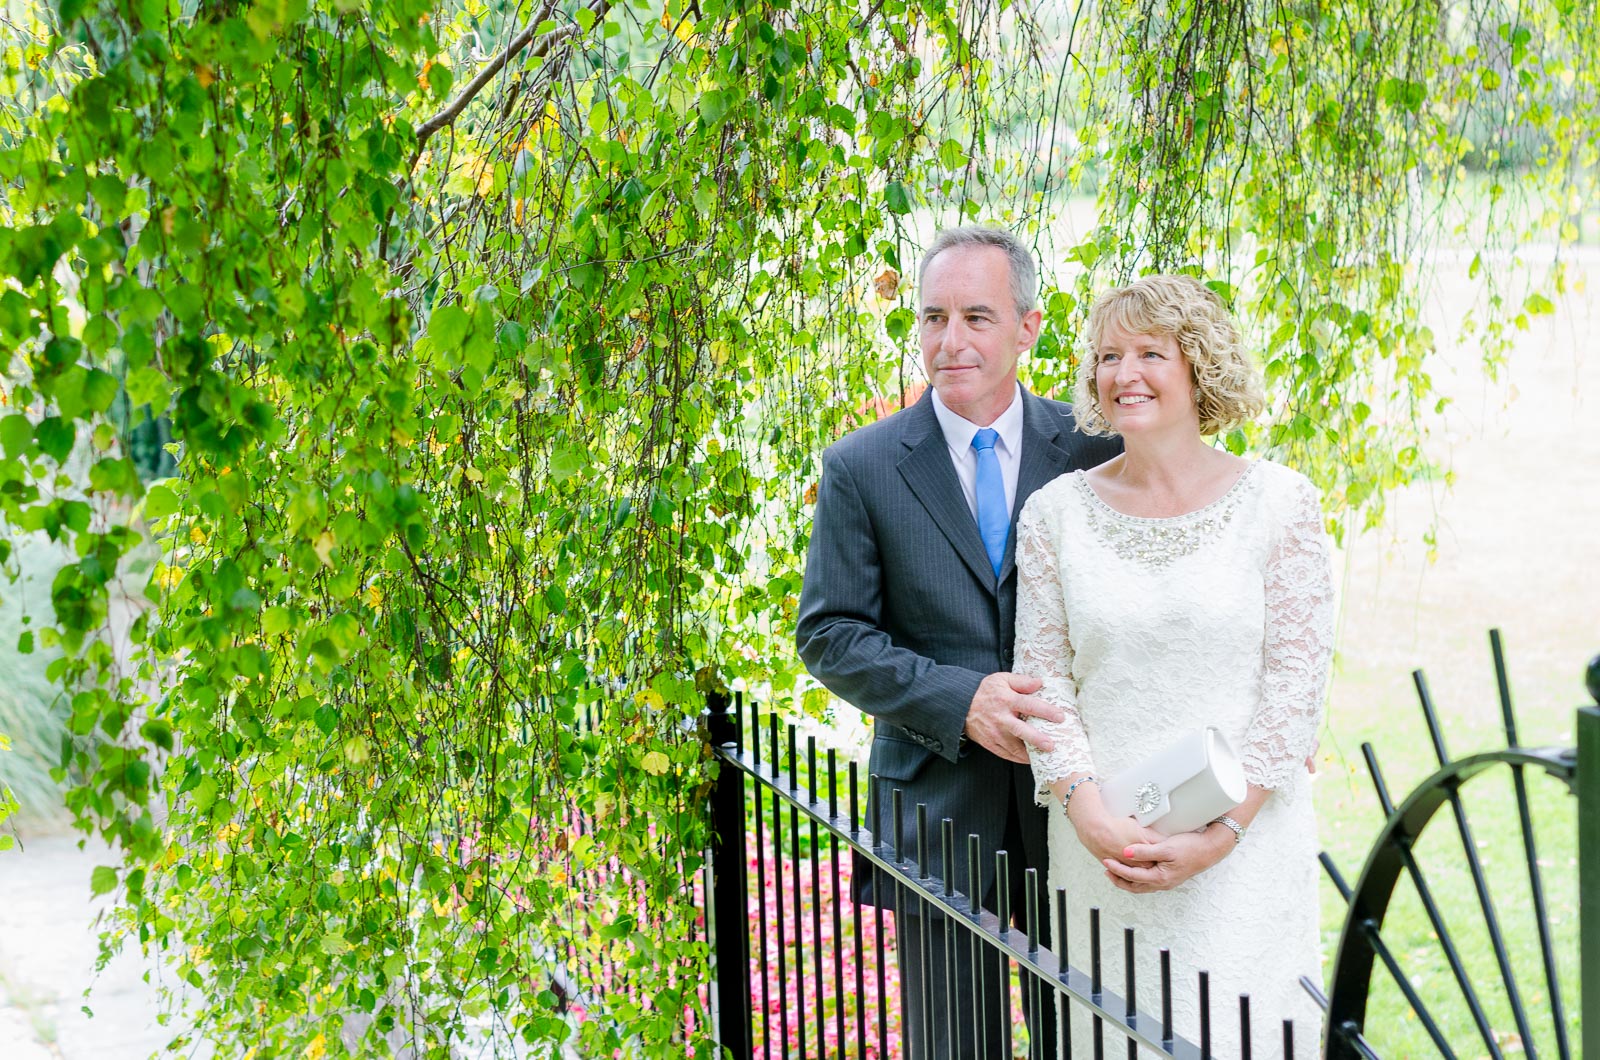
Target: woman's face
pixel 1144 382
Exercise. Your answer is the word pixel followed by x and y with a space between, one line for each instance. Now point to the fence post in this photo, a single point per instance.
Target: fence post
pixel 729 901
pixel 1589 861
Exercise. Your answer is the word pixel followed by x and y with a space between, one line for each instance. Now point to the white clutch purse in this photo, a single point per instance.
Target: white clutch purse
pixel 1189 784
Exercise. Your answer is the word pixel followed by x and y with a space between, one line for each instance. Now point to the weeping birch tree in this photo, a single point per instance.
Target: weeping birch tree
pixel 466 367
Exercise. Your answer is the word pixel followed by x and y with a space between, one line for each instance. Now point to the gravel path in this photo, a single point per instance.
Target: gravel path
pixel 48 946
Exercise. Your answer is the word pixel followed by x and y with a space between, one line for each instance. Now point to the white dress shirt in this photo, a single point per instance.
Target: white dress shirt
pixel 958 434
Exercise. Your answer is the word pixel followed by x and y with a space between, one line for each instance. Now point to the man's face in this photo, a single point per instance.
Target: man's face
pixel 971 333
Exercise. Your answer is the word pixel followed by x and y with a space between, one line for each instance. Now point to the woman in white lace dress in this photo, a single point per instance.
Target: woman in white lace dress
pixel 1172 587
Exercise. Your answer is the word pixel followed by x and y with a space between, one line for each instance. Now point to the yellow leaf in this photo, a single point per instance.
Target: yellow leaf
pixel 323 546
pixel 472 474
pixel 197 535
pixel 374 596
pixel 655 763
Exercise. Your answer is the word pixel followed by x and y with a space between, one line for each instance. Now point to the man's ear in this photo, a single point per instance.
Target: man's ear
pixel 1032 320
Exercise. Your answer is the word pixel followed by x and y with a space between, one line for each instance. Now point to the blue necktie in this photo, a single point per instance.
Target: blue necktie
pixel 994 520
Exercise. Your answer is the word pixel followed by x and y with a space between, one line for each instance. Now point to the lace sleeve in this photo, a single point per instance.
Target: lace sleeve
pixel 1298 646
pixel 1044 650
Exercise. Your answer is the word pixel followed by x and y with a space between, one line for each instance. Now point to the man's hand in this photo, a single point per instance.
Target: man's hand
pixel 998 716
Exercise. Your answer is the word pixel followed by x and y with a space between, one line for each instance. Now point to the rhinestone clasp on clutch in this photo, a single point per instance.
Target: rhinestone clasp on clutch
pixel 1147 798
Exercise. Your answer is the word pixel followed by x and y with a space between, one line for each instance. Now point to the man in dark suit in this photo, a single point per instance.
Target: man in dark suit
pixel 909 606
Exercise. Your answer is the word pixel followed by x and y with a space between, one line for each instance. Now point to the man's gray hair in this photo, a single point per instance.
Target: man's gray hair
pixel 1024 273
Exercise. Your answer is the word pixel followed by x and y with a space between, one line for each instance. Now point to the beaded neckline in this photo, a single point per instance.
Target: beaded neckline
pixel 1156 542
pixel 1225 500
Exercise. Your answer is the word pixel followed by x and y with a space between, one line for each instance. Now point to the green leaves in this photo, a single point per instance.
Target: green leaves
pixel 897 197
pixel 159 502
pixel 16 434
pixel 54 436
pixel 464 431
pixel 715 105
pixel 103 880
pixel 448 327
pixel 158 732
pixel 1399 92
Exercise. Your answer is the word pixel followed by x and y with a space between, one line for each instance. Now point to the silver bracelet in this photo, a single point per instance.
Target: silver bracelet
pixel 1089 777
pixel 1233 826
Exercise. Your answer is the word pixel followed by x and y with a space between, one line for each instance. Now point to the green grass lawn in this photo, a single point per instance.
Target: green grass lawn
pixel 1513 549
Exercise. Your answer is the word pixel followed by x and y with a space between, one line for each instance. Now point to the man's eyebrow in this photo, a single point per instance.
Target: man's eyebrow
pixel 980 309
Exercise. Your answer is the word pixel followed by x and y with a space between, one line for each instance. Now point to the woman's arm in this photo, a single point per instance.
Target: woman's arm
pixel 1297 648
pixel 1044 650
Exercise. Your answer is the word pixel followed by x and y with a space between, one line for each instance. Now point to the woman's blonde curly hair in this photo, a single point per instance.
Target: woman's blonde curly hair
pixel 1227 385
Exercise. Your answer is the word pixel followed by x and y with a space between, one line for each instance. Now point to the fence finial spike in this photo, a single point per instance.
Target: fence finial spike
pixel 1335 875
pixel 1384 801
pixel 1431 716
pixel 1502 682
pixel 1592 679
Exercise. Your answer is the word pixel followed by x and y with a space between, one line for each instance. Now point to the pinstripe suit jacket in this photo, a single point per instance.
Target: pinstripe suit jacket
pixel 902 615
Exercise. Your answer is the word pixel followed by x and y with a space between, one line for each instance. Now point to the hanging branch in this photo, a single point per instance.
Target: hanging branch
pixel 522 40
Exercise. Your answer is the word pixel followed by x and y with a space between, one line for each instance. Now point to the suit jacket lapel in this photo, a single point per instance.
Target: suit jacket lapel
pixel 1043 459
pixel 931 477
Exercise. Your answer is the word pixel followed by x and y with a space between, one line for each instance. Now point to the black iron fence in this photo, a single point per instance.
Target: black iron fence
pixel 804 971
pixel 822 974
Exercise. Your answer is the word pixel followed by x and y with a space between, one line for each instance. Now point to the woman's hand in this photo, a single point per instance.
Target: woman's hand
pixel 1102 835
pixel 1161 866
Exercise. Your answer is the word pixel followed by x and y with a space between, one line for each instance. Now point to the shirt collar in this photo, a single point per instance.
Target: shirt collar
pixel 958 430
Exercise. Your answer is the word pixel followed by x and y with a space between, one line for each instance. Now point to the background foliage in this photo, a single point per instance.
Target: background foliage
pixel 497 344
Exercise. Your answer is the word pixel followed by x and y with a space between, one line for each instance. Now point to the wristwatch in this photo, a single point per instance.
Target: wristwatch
pixel 1233 826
